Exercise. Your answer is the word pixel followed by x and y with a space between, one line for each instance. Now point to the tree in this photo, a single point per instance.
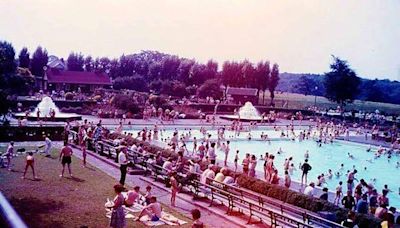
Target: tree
pixel 23 58
pixel 75 62
pixel 341 83
pixel 262 76
pixel 273 82
pixel 210 88
pixel 88 63
pixel 306 85
pixel 135 82
pixel 373 92
pixel 39 60
pixel 7 58
pixel 4 104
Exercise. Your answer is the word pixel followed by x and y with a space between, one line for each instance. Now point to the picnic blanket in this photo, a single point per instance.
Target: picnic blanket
pixel 166 218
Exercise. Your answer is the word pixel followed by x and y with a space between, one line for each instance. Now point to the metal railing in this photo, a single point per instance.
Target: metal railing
pixel 8 215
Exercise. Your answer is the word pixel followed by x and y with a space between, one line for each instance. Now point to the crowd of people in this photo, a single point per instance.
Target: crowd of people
pixel 203 155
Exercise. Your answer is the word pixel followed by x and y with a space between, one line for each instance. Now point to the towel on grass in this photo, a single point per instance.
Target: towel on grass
pixel 166 218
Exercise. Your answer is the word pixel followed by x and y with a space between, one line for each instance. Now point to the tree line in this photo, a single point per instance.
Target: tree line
pixel 165 73
pixel 173 75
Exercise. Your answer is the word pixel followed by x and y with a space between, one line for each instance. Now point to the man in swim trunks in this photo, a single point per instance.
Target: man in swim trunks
pixel 65 158
pixel 153 210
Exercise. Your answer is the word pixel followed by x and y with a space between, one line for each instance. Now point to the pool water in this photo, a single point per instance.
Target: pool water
pixel 328 156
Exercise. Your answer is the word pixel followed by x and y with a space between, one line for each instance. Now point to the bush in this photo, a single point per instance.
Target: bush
pixel 126 103
pixel 157 101
pixel 300 200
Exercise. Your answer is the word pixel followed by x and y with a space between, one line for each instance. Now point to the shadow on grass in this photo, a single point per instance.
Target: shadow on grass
pixel 35 212
pixel 76 179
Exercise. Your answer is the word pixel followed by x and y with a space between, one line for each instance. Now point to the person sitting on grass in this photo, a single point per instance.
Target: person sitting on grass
pixel 132 196
pixel 153 210
pixel 148 195
pixel 29 163
pixel 196 219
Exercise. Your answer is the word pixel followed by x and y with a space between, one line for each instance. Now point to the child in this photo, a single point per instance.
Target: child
pixel 148 194
pixel 196 219
pixel 29 163
pixel 338 193
pixel 174 188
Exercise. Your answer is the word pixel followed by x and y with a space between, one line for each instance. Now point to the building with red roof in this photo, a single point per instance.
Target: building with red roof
pixel 72 80
pixel 57 78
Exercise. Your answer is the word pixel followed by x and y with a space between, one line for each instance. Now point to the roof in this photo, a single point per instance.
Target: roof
pixel 55 62
pixel 77 77
pixel 241 91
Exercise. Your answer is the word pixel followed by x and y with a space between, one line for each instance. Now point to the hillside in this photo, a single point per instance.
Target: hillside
pixel 385 91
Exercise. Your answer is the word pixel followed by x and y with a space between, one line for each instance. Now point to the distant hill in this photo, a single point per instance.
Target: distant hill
pixel 370 90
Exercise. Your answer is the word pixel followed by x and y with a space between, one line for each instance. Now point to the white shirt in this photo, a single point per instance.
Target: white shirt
pixel 309 191
pixel 211 153
pixel 167 165
pixel 122 158
pixel 229 180
pixel 195 168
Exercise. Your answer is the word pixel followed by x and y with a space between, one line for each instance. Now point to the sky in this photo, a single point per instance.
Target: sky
pixel 299 35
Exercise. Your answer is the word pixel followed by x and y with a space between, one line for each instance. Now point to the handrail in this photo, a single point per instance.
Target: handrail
pixel 9 215
pixel 289 208
pixel 252 206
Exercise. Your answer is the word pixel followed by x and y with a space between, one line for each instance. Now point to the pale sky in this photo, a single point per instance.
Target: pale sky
pixel 300 35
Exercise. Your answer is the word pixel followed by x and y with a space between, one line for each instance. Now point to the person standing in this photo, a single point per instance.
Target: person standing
pixel 29 163
pixel 288 181
pixel 47 146
pixel 118 215
pixel 9 154
pixel 226 150
pixel 245 164
pixel 174 188
pixel 305 168
pixel 65 158
pixel 348 201
pixel 211 153
pixel 252 166
pixel 123 162
pixel 236 160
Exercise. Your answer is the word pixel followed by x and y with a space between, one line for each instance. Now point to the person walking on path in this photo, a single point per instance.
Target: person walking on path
pixel 65 158
pixel 123 164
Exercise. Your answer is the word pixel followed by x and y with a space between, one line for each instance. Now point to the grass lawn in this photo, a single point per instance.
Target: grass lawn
pixel 300 101
pixel 58 202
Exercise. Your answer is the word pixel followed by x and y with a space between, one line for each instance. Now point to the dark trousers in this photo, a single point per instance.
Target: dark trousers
pixel 123 174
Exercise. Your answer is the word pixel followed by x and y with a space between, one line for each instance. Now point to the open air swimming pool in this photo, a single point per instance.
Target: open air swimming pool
pixel 328 156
